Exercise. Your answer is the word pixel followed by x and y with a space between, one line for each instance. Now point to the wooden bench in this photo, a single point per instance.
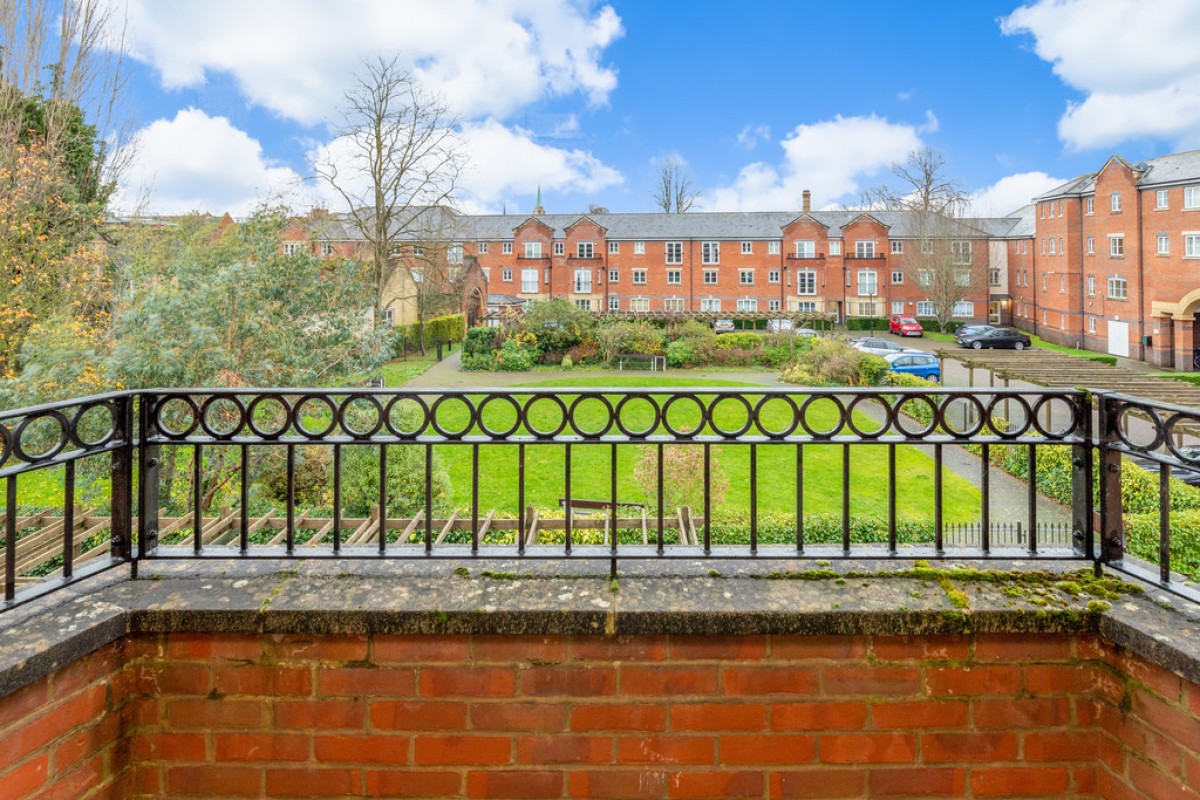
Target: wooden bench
pixel 594 506
pixel 640 361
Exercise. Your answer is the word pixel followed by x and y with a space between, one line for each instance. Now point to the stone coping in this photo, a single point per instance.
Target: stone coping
pixel 360 597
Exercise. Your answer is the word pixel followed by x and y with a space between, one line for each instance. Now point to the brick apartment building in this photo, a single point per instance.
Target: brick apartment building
pixel 1115 265
pixel 1107 261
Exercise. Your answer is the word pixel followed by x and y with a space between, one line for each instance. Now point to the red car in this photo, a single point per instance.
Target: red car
pixel 905 326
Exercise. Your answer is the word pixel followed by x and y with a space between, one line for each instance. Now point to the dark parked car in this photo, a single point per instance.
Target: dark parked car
pixel 971 330
pixel 1189 475
pixel 996 337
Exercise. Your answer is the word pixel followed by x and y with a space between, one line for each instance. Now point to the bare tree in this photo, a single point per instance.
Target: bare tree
pixel 675 192
pixel 69 56
pixel 951 264
pixel 395 164
pixel 921 185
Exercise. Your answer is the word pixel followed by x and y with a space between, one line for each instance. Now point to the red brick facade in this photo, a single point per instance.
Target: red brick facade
pixel 590 716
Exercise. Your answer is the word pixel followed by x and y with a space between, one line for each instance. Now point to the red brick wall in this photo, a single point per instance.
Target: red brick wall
pixel 526 716
pixel 65 735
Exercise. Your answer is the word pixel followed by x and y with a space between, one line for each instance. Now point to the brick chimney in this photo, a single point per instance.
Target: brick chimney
pixel 807 195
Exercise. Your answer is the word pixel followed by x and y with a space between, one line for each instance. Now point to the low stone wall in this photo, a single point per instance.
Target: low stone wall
pixel 212 690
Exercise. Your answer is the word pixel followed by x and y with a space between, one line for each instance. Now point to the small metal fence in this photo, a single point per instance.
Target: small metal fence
pixel 610 474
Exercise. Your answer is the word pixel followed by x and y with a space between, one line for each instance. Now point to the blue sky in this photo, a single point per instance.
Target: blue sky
pixel 759 99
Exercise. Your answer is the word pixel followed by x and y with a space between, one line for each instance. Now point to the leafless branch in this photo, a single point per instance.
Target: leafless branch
pixel 675 192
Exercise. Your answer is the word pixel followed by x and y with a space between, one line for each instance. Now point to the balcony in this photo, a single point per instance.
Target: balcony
pixel 814 257
pixel 877 257
pixel 227 628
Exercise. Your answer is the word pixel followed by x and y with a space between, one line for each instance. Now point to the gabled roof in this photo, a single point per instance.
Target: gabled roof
pixel 867 215
pixel 1175 168
pixel 583 219
pixel 806 217
pixel 1076 187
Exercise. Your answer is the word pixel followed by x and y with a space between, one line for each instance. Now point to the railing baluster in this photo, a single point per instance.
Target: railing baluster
pixel 197 499
pixel 1033 501
pixel 891 499
pixel 10 539
pixel 68 555
pixel 521 498
pixel 244 534
pixel 938 544
pixel 1164 524
pixel 659 491
pixel 846 499
pixel 383 498
pixel 567 516
pixel 337 499
pixel 291 500
pixel 475 499
pixel 707 498
pixel 799 499
pixel 985 497
pixel 612 509
pixel 428 499
pixel 753 499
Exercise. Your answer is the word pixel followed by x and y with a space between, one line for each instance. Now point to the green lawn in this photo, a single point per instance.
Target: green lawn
pixel 1187 377
pixel 591 464
pixel 400 372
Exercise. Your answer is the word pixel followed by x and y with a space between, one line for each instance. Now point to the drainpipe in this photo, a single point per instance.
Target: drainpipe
pixel 1141 278
pixel 1082 278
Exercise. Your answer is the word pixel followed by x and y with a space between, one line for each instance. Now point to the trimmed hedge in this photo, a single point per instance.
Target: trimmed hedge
pixel 933 326
pixel 866 323
pixel 449 328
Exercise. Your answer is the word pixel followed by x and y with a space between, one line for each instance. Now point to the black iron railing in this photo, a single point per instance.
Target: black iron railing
pixel 611 474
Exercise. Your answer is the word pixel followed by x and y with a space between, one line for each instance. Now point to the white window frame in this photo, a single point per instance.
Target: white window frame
pixel 533 250
pixel 1053 246
pixel 583 280
pixel 481 248
pixel 1117 288
pixel 1115 202
pixel 1091 285
pixel 673 304
pixel 639 277
pixel 806 248
pixel 529 280
pixel 864 248
pixel 614 303
pixel 868 283
pixel 454 253
pixel 773 276
pixel 294 248
pixel 745 277
pixel 710 304
pixel 747 248
pixel 809 306
pixel 640 304
pixel 326 248
pixel 506 248
pixel 773 304
pixel 583 302
pixel 749 304
pixel 1191 198
pixel 674 277
pixel 806 281
pixel 963 308
pixel 1091 324
pixel 614 276
pixel 897 246
pixel 585 250
pixel 925 308
pixel 560 248
pixel 710 276
pixel 1116 245
pixel 1191 244
pixel 673 252
pixel 897 306
pixel 1091 205
pixel 773 248
pixel 639 248
pixel 1091 244
pixel 1162 199
pixel 993 276
pixel 506 275
pixel 710 252
pixel 961 251
pixel 897 277
pixel 614 248
pixel 1164 244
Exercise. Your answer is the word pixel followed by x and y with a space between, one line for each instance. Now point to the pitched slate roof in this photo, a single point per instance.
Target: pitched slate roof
pixel 1174 168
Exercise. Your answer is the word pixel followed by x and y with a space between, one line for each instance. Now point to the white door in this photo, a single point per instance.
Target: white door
pixel 1118 338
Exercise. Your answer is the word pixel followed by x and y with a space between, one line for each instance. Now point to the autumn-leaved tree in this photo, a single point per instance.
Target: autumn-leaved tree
pixel 395 165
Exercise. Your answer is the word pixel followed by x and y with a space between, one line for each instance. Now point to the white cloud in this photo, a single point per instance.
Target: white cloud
pixel 1136 62
pixel 751 135
pixel 1010 193
pixel 295 57
pixel 501 162
pixel 832 158
pixel 932 125
pixel 195 162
